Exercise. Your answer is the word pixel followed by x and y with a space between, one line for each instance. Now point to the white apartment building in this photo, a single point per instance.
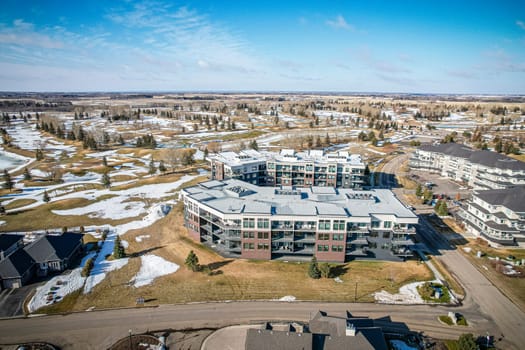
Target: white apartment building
pixel 291 168
pixel 497 215
pixel 479 169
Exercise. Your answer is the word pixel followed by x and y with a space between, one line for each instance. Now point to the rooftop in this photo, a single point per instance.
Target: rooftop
pixel 247 157
pixel 313 201
pixel 511 198
pixel 483 157
pixel 7 240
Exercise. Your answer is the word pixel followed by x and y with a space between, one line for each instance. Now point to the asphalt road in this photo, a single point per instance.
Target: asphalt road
pixel 99 329
pixel 481 294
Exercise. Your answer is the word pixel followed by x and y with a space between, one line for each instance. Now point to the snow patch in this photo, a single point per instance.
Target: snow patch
pixel 408 294
pixel 288 298
pixel 140 238
pixel 152 267
pixel 58 287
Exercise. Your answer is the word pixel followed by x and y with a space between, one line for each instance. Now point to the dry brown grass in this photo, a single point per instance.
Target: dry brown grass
pixel 240 279
pixel 17 203
pixel 512 287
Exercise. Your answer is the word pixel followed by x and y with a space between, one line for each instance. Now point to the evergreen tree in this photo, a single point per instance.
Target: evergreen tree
pixel 162 167
pixel 27 174
pixel 313 269
pixel 152 169
pixel 192 261
pixel 39 155
pixel 118 249
pixel 46 197
pixel 467 342
pixel 254 145
pixel 106 181
pixel 104 161
pixel 419 190
pixel 8 183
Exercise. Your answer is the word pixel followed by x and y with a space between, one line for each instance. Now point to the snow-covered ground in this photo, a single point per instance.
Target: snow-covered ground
pixel 408 294
pixel 140 238
pixel 58 287
pixel 152 267
pixel 288 298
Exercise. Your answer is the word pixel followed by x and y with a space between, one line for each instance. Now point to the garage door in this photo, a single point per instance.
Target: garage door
pixel 14 283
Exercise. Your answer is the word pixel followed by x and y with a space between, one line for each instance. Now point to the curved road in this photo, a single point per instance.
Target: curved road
pixel 485 308
pixel 481 294
pixel 100 329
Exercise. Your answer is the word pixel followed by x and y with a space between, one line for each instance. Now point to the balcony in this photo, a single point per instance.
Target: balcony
pixel 304 238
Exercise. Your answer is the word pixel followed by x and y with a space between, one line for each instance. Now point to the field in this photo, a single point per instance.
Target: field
pixel 234 279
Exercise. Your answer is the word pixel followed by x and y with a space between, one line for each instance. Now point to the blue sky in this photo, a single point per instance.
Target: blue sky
pixel 357 46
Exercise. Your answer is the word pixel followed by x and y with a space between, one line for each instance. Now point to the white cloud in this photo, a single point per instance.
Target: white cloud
pixel 340 23
pixel 23 34
pixel 520 24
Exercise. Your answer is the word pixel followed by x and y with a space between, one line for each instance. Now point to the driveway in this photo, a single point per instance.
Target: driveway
pixel 12 300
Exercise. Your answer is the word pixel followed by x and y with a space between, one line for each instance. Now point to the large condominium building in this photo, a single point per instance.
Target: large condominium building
pixel 480 169
pixel 497 215
pixel 290 168
pixel 239 219
pixel 247 165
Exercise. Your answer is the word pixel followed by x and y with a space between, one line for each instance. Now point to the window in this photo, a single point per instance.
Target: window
pixel 323 236
pixel 338 236
pixel 271 166
pixel 386 234
pixel 324 224
pixel 248 223
pixel 339 225
pixel 248 234
pixel 387 224
pixel 263 246
pixel 375 224
pixel 263 223
pixel 248 246
pixel 322 248
pixel 337 248
pixel 262 235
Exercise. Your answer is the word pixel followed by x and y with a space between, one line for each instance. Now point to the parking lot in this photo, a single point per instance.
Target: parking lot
pixel 441 185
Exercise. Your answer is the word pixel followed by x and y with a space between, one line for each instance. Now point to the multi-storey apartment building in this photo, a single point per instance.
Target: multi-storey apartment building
pixel 480 169
pixel 290 168
pixel 247 165
pixel 497 215
pixel 239 219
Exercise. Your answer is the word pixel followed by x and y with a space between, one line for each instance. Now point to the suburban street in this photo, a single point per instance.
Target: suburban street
pixel 480 293
pixel 99 329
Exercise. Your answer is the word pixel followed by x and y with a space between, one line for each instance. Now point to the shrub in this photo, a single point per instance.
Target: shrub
pixel 87 267
pixel 445 319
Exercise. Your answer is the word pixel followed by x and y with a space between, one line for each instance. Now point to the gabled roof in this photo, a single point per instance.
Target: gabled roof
pixel 16 264
pixel 482 157
pixel 7 240
pixel 511 198
pixel 48 248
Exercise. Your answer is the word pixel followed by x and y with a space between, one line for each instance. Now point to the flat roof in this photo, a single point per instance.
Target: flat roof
pixel 250 156
pixel 315 201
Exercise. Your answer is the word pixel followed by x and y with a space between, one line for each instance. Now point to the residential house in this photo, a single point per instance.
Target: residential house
pixel 55 253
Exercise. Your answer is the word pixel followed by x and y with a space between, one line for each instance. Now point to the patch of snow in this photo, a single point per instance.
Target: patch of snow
pixel 39 173
pixel 89 176
pixel 152 267
pixel 44 295
pixel 2 222
pixel 103 266
pixel 288 298
pixel 141 238
pixel 124 243
pixel 408 294
pixel 338 280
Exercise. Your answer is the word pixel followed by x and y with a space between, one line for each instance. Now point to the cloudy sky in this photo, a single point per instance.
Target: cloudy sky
pixel 356 46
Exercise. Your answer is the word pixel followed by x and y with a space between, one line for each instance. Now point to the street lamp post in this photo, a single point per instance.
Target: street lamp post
pixel 130 343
